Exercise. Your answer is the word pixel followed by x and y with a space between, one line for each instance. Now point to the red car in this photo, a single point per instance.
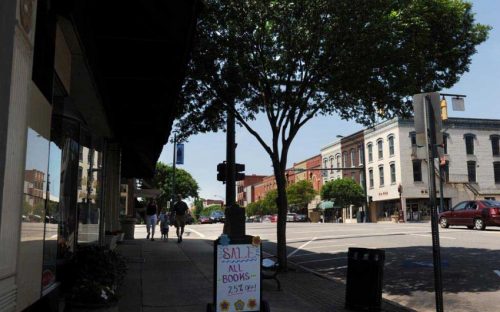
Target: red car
pixel 274 218
pixel 476 214
pixel 204 220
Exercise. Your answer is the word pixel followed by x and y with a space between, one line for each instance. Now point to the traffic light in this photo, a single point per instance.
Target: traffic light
pixel 221 172
pixel 444 109
pixel 240 174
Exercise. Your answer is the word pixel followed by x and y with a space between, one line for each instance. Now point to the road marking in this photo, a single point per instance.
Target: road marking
pixel 320 260
pixel 302 246
pixel 497 272
pixel 196 232
pixel 332 268
pixel 315 254
pixel 427 235
pixel 323 246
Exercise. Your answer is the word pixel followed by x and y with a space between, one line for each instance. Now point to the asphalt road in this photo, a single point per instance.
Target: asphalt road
pixel 470 259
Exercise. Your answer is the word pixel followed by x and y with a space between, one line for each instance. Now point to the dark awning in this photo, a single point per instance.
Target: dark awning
pixel 137 51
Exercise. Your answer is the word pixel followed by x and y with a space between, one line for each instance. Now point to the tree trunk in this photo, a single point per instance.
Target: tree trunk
pixel 282 204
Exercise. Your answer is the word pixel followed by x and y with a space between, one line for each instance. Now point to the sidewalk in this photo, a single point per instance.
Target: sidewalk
pixel 179 278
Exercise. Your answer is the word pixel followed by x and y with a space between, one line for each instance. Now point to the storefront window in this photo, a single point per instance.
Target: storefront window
pixel 33 228
pixel 89 195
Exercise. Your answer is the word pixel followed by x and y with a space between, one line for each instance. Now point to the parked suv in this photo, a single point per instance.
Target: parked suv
pixel 475 214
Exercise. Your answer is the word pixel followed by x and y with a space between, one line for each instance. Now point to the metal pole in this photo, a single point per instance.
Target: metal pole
pixel 173 172
pixel 234 225
pixel 441 187
pixel 431 145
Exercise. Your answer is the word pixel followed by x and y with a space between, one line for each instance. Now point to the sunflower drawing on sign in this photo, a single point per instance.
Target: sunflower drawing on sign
pixel 239 305
pixel 224 306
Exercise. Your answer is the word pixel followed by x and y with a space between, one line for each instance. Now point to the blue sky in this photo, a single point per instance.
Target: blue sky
pixel 481 85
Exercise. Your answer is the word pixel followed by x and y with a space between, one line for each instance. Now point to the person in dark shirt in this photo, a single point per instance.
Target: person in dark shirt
pixel 180 209
pixel 151 218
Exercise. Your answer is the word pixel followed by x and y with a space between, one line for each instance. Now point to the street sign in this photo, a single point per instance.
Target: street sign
pixel 458 104
pixel 180 154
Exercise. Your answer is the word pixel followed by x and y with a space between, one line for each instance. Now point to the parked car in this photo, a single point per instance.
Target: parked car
pixel 253 219
pixel 274 218
pixel 266 218
pixel 217 216
pixel 204 220
pixel 476 214
pixel 291 217
pixel 301 218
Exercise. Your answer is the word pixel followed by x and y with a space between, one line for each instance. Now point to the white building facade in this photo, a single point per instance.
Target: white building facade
pixel 331 156
pixel 397 177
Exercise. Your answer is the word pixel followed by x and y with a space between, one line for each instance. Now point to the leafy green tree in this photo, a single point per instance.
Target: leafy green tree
pixel 343 192
pixel 290 61
pixel 269 202
pixel 207 211
pixel 299 194
pixel 198 207
pixel 185 184
pixel 27 208
pixel 255 208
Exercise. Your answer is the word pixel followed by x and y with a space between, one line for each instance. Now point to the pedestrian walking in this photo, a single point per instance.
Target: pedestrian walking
pixel 151 218
pixel 164 224
pixel 180 209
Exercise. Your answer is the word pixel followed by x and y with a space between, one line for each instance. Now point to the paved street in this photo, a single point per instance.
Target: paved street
pixel 471 259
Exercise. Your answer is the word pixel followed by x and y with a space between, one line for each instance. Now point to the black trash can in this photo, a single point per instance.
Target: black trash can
pixel 365 269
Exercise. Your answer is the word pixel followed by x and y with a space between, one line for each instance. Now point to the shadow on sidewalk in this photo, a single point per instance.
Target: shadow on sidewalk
pixel 179 277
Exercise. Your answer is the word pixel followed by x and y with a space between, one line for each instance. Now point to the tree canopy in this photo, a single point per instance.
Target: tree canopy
pixel 288 61
pixel 185 184
pixel 299 194
pixel 343 192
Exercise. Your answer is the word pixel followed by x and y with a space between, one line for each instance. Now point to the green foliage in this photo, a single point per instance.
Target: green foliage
pixel 293 60
pixel 207 211
pixel 269 202
pixel 299 194
pixel 343 192
pixel 184 183
pixel 267 206
pixel 255 208
pixel 198 207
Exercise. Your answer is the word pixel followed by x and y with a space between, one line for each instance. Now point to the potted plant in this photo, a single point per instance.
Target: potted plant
pixel 98 274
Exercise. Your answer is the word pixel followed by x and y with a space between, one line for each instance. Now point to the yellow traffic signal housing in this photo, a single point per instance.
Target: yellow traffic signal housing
pixel 444 109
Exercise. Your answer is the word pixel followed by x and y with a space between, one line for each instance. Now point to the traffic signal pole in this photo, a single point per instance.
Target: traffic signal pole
pixel 234 225
pixel 430 130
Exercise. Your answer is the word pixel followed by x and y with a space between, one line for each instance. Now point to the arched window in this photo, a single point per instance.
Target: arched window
pixel 390 139
pixel 369 146
pixel 380 148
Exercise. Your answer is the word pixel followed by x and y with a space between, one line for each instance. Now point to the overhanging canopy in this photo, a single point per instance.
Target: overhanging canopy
pixel 327 205
pixel 137 51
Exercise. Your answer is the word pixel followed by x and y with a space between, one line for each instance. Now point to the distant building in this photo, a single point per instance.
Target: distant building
pixel 245 189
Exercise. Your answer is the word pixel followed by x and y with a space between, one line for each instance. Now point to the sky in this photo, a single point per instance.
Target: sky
pixel 481 85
